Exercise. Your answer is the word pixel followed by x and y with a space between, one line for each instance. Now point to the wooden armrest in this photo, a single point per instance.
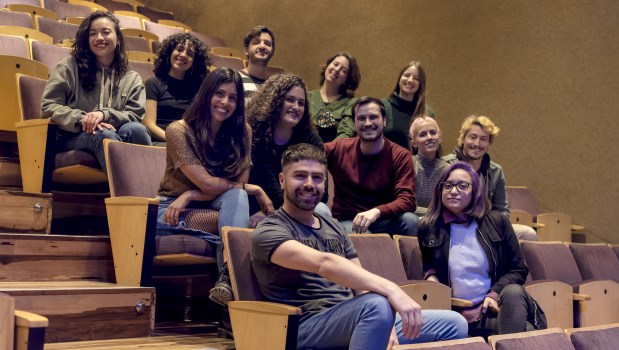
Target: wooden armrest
pixel 33 123
pixel 581 297
pixel 429 295
pixel 35 140
pixel 461 302
pixel 537 225
pixel 578 228
pixel 264 307
pixel 129 200
pixel 132 222
pixel 30 320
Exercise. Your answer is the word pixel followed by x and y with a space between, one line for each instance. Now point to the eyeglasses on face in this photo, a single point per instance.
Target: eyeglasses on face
pixel 460 186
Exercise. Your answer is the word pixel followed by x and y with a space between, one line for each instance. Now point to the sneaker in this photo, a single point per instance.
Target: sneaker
pixel 221 293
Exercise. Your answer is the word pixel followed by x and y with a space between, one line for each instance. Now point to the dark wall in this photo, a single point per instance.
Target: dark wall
pixel 546 72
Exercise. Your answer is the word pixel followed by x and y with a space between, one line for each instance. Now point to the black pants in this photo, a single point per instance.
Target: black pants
pixel 518 313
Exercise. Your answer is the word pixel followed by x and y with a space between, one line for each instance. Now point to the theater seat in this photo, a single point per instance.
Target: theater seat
pixel 547 339
pixel 605 337
pixel 252 317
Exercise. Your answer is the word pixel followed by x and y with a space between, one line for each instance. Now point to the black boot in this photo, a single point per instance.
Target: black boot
pixel 221 293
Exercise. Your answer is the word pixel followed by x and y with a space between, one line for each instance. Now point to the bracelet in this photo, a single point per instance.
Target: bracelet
pixel 244 187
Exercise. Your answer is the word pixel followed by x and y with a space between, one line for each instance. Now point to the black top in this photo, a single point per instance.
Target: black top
pixel 173 98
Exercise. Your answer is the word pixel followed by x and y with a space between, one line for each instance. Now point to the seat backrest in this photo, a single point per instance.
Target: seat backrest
pixel 4 3
pixel 13 45
pixel 50 55
pixel 237 243
pixel 615 249
pixel 597 337
pixel 64 10
pixel 160 30
pixel 57 30
pixel 134 170
pixel 129 22
pixel 520 197
pixel 114 5
pixel 154 15
pixel 30 94
pixel 379 255
pixel 474 343
pixel 596 261
pixel 548 339
pixel 550 261
pixel 409 250
pixel 10 66
pixel 134 43
pixel 209 40
pixel 144 69
pixel 230 62
pixel 18 19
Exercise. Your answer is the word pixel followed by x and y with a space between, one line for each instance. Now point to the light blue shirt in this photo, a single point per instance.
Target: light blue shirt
pixel 469 270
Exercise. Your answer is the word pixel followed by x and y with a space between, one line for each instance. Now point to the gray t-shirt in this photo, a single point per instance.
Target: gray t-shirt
pixel 309 291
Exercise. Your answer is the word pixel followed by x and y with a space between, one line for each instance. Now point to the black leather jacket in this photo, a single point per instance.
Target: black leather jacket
pixel 496 237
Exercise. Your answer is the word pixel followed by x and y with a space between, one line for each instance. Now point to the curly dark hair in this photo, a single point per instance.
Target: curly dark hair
pixel 228 155
pixel 201 59
pixel 353 79
pixel 87 61
pixel 264 108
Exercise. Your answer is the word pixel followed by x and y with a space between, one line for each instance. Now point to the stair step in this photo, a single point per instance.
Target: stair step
pixel 40 257
pixel 167 342
pixel 86 310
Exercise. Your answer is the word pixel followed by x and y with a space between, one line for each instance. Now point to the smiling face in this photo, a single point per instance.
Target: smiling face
pixel 102 40
pixel 476 142
pixel 369 122
pixel 223 103
pixel 303 183
pixel 293 107
pixel 425 137
pixel 409 83
pixel 337 71
pixel 456 200
pixel 181 59
pixel 260 49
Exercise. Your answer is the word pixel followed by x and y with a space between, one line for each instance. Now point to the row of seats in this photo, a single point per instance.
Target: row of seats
pixel 379 255
pixel 598 337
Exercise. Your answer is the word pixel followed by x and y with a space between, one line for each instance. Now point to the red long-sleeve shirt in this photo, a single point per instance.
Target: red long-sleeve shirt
pixel 384 180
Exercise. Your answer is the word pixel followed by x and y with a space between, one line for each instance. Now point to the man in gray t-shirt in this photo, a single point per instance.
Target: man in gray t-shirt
pixel 304 259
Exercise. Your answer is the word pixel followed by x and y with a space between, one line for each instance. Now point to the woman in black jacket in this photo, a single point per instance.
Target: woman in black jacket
pixel 475 251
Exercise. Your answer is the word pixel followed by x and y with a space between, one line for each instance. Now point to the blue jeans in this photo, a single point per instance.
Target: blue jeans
pixel 405 225
pixel 233 210
pixel 366 321
pixel 132 132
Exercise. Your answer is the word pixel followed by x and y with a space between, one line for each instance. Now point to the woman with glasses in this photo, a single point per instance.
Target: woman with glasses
pixel 330 106
pixel 475 251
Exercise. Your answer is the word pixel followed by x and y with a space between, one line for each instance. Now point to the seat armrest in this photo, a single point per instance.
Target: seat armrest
pixel 264 307
pixel 132 223
pixel 581 297
pixel 461 302
pixel 36 142
pixel 29 330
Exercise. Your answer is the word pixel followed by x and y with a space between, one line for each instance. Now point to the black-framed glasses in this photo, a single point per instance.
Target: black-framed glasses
pixel 460 186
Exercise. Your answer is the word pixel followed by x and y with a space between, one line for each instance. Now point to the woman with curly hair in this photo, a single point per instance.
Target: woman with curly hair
pixel 207 166
pixel 279 117
pixel 407 101
pixel 330 105
pixel 92 95
pixel 180 69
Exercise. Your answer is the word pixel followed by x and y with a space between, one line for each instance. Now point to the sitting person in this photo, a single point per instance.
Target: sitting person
pixel 92 95
pixel 373 177
pixel 278 116
pixel 180 69
pixel 475 251
pixel 330 105
pixel 477 134
pixel 425 145
pixel 259 47
pixel 305 259
pixel 207 166
pixel 407 101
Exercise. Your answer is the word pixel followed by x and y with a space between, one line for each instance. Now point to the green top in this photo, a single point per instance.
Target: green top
pixel 332 119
